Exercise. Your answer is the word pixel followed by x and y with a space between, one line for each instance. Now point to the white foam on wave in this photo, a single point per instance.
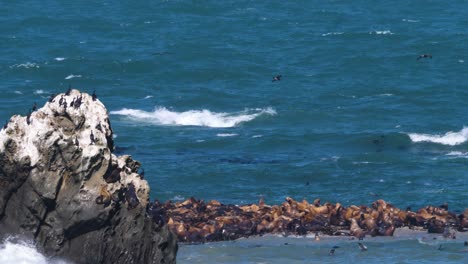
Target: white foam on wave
pixel 457 154
pixel 71 76
pixel 60 59
pixel 148 97
pixel 18 92
pixel 226 134
pixel 26 65
pixel 331 33
pixel 39 91
pixel 409 20
pixel 450 138
pixel 22 252
pixel 163 116
pixel 382 32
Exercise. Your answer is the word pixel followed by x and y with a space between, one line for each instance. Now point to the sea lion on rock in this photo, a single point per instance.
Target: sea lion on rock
pixel 104 196
pixel 131 197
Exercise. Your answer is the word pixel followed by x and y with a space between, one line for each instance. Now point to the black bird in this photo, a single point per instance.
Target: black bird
pixel 73 102
pixel 34 108
pixel 28 118
pixel 77 143
pixel 6 124
pixel 94 95
pixel 51 98
pixel 91 137
pixel 332 250
pixel 98 127
pixel 362 246
pixel 276 78
pixel 142 173
pixel 61 100
pixel 69 90
pixel 422 56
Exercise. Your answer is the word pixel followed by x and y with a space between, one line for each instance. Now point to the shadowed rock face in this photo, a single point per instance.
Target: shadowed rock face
pixel 61 185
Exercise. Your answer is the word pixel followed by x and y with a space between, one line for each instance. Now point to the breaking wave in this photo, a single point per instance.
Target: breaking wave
pixel 14 252
pixel 450 138
pixel 163 116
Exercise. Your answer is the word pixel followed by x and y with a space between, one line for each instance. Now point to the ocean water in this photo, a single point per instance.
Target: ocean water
pixel 355 117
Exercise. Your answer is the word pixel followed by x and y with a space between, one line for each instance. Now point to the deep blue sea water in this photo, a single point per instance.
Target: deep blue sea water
pixel 355 117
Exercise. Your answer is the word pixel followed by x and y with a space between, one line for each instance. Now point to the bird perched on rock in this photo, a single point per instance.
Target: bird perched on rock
pixel 91 137
pixel 422 56
pixel 94 96
pixel 34 108
pixel 69 90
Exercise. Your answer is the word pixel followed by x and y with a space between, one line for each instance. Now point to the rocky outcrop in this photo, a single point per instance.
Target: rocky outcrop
pixel 61 185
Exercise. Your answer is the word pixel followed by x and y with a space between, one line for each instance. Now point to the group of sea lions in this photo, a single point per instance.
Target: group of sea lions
pixel 196 221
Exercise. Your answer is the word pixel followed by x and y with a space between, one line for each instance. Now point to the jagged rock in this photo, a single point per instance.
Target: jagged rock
pixel 61 185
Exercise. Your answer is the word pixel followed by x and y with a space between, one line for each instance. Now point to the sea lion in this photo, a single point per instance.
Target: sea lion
pixel 131 197
pixel 104 196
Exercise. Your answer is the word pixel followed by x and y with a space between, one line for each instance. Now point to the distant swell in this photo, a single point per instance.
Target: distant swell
pixel 163 116
pixel 449 138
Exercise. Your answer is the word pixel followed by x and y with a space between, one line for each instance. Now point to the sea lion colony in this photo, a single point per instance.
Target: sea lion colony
pixel 196 221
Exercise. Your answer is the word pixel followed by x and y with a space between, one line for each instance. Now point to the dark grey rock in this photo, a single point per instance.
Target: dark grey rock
pixel 70 198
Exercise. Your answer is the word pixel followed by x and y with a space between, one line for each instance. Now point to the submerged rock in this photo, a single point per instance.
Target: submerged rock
pixel 61 185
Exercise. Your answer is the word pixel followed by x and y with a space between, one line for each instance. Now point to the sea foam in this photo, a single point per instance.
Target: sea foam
pixel 450 138
pixel 22 252
pixel 163 116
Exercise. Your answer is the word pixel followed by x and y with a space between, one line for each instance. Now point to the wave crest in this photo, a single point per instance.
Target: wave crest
pixel 450 138
pixel 163 116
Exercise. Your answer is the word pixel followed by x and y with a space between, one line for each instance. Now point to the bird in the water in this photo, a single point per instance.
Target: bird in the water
pixel 422 56
pixel 332 250
pixel 362 246
pixel 276 78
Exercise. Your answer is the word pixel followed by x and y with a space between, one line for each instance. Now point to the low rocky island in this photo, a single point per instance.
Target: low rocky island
pixel 62 186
